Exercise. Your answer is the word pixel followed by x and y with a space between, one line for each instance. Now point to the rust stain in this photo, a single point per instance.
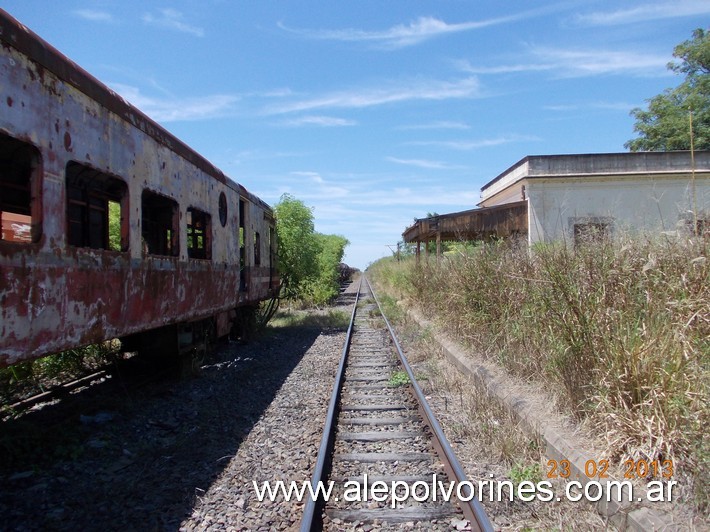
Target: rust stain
pixel 54 296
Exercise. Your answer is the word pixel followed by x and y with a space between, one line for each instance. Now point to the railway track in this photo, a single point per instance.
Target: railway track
pixel 383 455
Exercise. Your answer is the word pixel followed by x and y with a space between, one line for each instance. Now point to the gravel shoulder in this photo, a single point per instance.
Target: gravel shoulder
pixel 179 454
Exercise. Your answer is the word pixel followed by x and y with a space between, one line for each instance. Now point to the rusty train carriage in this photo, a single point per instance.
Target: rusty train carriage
pixel 111 226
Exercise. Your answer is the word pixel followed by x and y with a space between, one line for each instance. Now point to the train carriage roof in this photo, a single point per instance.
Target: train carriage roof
pixel 14 34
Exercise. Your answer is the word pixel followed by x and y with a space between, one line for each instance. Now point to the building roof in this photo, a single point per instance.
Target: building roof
pixel 474 224
pixel 580 165
pixel 510 218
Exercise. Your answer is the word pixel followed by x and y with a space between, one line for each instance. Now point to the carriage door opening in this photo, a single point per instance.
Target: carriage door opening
pixel 242 247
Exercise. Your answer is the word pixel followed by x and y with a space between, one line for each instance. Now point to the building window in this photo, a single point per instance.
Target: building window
pixel 198 234
pixel 159 224
pixel 20 183
pixel 698 225
pixel 95 206
pixel 592 231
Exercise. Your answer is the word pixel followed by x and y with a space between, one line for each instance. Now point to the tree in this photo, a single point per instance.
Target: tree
pixel 665 125
pixel 309 262
pixel 325 284
pixel 298 246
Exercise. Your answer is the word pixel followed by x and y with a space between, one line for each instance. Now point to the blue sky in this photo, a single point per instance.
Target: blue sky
pixel 375 113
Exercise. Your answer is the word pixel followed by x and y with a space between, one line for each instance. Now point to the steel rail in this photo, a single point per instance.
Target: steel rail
pixel 327 440
pixel 472 508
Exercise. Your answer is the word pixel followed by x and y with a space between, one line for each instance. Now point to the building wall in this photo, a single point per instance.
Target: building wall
pixel 516 191
pixel 623 204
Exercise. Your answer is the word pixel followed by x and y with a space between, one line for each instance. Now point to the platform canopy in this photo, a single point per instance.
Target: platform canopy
pixel 501 221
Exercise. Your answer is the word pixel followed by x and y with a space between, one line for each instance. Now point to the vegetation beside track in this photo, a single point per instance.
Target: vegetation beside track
pixel 36 376
pixel 620 331
pixel 309 262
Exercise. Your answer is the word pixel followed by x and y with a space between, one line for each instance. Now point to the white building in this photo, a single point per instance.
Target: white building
pixel 566 196
pixel 628 192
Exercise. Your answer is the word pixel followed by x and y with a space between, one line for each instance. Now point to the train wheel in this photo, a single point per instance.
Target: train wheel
pixel 244 323
pixel 209 337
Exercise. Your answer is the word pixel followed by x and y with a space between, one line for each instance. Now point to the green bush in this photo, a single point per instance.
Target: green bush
pixel 309 262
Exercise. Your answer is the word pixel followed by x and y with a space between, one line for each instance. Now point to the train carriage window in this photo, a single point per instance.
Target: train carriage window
pixel 199 230
pixel 96 203
pixel 242 246
pixel 20 183
pixel 222 209
pixel 257 249
pixel 159 224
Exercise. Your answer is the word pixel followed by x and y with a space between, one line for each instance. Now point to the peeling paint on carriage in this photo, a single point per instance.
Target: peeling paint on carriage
pixel 66 286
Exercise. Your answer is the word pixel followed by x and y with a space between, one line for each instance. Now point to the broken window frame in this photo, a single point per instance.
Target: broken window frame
pixel 257 249
pixel 199 234
pixel 159 224
pixel 241 235
pixel 91 196
pixel 20 195
pixel 591 230
pixel 697 225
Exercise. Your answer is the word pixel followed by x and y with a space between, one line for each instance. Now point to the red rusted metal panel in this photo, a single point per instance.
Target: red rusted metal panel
pixel 55 296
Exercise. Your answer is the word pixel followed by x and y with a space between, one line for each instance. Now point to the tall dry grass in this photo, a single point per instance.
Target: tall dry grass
pixel 620 328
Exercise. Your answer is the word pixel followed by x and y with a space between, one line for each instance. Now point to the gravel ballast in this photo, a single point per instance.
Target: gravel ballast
pixel 181 454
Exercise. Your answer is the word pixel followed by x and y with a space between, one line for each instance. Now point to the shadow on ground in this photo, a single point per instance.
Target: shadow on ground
pixel 139 459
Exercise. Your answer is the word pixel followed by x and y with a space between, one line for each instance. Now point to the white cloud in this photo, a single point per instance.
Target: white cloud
pixel 94 15
pixel 423 163
pixel 467 145
pixel 402 35
pixel 321 189
pixel 612 106
pixel 647 11
pixel 250 156
pixel 368 97
pixel 322 121
pixel 173 20
pixel 466 66
pixel 443 124
pixel 580 63
pixel 378 206
pixel 422 197
pixel 323 199
pixel 575 63
pixel 176 109
pixel 314 176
